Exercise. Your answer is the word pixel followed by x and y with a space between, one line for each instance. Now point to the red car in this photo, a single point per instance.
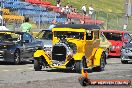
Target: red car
pixel 117 39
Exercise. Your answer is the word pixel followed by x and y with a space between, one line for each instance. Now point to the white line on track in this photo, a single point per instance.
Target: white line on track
pixel 30 68
pixel 5 70
pixel 18 69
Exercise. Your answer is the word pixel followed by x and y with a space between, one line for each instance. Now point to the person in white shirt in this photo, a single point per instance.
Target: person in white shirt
pixel 58 5
pixel 67 8
pixel 91 10
pixel 84 9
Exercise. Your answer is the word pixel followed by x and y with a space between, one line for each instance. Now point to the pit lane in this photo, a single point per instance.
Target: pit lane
pixel 24 76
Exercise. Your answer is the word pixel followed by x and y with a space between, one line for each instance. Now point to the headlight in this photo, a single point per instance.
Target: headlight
pixel 127 50
pixel 116 47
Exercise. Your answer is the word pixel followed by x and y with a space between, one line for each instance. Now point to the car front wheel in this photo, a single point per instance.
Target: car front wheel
pixel 37 65
pixel 17 57
pixel 79 65
pixel 123 61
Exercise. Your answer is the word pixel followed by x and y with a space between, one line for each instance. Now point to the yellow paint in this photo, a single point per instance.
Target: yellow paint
pixel 7 32
pixel 98 57
pixel 40 53
pixel 78 56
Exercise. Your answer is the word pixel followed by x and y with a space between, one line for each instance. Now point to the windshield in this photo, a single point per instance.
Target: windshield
pixel 68 34
pixel 9 37
pixel 46 34
pixel 113 36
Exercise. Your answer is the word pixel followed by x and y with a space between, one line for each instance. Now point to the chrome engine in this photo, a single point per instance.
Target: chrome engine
pixel 61 50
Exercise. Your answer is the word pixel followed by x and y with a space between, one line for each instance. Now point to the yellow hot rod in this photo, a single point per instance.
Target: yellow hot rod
pixel 74 46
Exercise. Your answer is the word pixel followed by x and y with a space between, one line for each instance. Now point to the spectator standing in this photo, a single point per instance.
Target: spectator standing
pixel 125 27
pixel 53 24
pixel 91 10
pixel 63 9
pixel 67 8
pixel 58 3
pixel 84 9
pixel 26 26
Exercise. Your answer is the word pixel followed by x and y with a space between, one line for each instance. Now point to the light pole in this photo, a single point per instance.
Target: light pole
pixel 127 8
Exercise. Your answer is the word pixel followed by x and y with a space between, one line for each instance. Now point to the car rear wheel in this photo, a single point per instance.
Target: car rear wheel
pixel 37 65
pixel 17 57
pixel 79 65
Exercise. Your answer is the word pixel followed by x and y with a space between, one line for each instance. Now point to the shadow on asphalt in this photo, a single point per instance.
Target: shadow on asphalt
pixel 65 71
pixel 10 63
pixel 114 57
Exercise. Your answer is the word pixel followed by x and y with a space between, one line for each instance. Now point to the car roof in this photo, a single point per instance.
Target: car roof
pixel 47 30
pixel 12 31
pixel 78 26
pixel 114 31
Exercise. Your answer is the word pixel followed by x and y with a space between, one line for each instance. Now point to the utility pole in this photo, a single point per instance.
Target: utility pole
pixel 127 7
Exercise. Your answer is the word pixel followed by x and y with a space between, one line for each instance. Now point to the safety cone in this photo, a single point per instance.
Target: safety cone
pixel 83 80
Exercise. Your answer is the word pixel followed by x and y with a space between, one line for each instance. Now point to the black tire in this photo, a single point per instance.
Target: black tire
pixel 17 59
pixel 124 62
pixel 102 63
pixel 105 57
pixel 79 65
pixel 37 65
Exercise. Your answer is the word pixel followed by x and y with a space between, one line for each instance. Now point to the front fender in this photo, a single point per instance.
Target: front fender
pixel 78 56
pixel 40 53
pixel 97 56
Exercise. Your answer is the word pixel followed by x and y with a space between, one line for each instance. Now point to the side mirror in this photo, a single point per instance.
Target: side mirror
pixel 125 40
pixel 26 41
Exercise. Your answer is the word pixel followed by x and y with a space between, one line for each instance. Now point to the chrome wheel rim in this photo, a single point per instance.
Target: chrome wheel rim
pixel 16 57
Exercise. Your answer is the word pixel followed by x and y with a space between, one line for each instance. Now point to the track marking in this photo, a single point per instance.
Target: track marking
pixel 30 68
pixel 19 69
pixel 5 70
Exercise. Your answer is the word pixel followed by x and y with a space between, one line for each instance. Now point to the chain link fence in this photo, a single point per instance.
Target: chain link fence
pixel 112 20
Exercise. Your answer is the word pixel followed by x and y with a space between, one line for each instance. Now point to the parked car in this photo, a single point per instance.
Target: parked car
pixel 17 46
pixel 46 37
pixel 117 39
pixel 126 52
pixel 75 46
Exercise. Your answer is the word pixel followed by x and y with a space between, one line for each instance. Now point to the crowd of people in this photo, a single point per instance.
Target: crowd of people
pixel 68 9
